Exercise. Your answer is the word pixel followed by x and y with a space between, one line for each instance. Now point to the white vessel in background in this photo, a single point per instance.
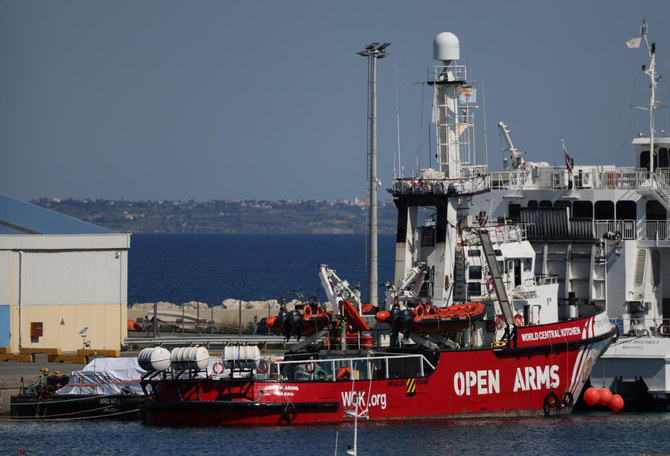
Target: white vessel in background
pixel 603 230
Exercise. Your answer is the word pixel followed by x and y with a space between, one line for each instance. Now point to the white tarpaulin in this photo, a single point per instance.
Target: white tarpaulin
pixel 106 376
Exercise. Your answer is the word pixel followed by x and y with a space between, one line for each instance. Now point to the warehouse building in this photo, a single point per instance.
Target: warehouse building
pixel 63 281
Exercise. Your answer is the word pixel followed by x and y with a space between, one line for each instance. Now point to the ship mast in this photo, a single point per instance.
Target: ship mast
pixel 373 52
pixel 651 71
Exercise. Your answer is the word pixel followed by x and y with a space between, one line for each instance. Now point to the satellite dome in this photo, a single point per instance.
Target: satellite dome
pixel 446 47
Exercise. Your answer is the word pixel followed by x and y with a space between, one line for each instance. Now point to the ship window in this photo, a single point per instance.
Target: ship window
pixel 656 220
pixel 545 203
pixel 510 265
pixel 527 264
pixel 514 211
pixel 663 158
pixel 475 272
pixel 532 203
pixel 564 204
pixel 644 160
pixel 582 209
pixel 655 210
pixel 474 288
pixel 474 253
pixel 626 210
pixel 501 266
pixel 428 237
pixel 604 210
pixel 497 252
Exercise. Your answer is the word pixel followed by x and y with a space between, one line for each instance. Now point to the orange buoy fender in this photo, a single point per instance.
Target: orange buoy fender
pixel 605 397
pixel 616 404
pixel 383 316
pixel 134 326
pixel 591 396
pixel 271 321
pixel 343 372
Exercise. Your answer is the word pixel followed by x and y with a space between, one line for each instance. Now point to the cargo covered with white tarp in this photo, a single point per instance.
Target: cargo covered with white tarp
pixel 106 376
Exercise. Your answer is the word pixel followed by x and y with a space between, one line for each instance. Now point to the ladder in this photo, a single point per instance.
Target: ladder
pixel 498 284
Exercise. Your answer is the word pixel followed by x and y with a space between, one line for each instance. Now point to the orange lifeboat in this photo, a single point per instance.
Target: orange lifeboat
pixel 425 318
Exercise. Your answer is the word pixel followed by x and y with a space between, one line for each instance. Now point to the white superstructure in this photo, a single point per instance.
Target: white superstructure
pixel 603 230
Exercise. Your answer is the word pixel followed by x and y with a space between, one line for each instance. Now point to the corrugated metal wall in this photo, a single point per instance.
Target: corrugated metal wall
pixel 81 277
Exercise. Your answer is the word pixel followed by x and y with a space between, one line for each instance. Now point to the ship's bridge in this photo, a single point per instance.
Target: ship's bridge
pixel 474 180
pixel 589 203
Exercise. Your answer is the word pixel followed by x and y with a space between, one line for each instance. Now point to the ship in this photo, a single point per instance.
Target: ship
pixel 104 389
pixel 602 230
pixel 422 352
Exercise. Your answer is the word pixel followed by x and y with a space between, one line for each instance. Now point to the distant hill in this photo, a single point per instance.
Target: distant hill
pixel 252 217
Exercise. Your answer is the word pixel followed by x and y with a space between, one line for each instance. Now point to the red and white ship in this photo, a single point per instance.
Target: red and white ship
pixel 467 329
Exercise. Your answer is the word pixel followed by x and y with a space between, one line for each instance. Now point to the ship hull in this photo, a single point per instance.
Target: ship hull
pixel 542 373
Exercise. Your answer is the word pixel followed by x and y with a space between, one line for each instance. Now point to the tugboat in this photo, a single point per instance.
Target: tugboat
pixel 602 230
pixel 426 353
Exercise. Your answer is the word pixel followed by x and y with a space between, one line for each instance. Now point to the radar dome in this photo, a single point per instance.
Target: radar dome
pixel 446 47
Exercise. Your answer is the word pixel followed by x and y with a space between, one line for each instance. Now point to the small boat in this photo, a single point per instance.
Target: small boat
pixel 106 388
pixel 426 319
pixel 305 319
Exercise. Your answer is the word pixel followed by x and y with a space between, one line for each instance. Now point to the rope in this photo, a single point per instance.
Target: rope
pixel 60 401
pixel 70 419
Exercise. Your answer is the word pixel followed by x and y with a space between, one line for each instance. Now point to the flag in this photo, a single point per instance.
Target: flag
pixel 634 42
pixel 569 162
pixel 466 95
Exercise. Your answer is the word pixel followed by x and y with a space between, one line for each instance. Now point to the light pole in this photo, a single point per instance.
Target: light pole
pixel 373 52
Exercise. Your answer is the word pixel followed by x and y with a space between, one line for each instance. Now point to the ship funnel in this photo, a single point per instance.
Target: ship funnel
pixel 446 47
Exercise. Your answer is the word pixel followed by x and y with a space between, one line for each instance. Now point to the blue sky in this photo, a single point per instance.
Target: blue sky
pixel 207 100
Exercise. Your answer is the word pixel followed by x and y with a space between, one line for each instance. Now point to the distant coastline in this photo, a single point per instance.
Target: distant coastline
pixel 226 216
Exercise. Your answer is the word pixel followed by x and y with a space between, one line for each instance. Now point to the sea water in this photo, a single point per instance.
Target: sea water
pixel 578 434
pixel 210 268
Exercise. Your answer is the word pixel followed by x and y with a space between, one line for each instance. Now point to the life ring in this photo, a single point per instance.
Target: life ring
pixel 567 399
pixel 320 374
pixel 612 179
pixel 310 367
pixel 289 414
pixel 518 320
pixel 500 322
pixel 218 368
pixel 263 366
pixel 490 286
pixel 551 401
pixel 664 329
pixel 419 311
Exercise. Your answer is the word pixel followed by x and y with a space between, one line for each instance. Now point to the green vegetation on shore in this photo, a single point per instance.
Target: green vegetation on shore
pixel 217 216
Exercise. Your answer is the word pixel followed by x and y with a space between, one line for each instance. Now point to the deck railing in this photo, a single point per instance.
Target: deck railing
pixel 359 368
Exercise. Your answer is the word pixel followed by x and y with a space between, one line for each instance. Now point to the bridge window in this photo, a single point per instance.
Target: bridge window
pixel 546 203
pixel 527 264
pixel 474 253
pixel 564 204
pixel 532 203
pixel 626 210
pixel 582 209
pixel 474 272
pixel 663 157
pixel 655 211
pixel 656 220
pixel 644 160
pixel 514 211
pixel 604 210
